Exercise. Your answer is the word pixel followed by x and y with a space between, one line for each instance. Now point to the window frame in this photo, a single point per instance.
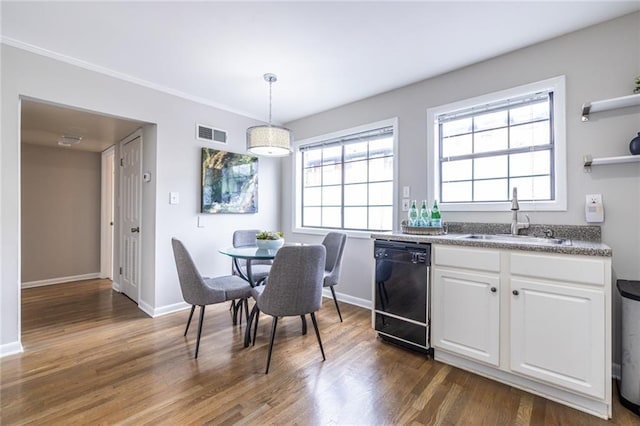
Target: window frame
pixel 559 171
pixel 296 167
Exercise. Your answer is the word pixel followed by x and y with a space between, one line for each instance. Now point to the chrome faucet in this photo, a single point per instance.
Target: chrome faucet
pixel 515 225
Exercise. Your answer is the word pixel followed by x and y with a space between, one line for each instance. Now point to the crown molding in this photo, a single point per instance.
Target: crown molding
pixel 120 76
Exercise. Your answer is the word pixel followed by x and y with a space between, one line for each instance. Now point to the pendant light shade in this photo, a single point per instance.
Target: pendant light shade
pixel 273 141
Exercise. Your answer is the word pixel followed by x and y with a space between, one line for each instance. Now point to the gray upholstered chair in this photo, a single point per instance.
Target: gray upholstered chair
pixel 259 268
pixel 294 288
pixel 200 291
pixel 334 242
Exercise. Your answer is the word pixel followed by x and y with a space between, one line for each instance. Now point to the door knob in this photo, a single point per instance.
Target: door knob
pixel 515 292
pixel 136 229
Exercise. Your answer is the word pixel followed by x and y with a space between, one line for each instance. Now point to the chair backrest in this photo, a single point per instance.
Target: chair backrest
pixel 244 238
pixel 191 283
pixel 294 286
pixel 334 242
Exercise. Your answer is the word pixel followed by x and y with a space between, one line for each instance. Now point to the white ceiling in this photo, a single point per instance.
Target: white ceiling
pixel 325 53
pixel 44 124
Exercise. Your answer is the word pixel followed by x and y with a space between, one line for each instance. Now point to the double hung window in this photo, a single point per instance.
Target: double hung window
pixel 347 181
pixel 484 148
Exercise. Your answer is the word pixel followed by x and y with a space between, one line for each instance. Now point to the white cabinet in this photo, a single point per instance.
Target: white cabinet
pixel 540 322
pixel 557 334
pixel 466 312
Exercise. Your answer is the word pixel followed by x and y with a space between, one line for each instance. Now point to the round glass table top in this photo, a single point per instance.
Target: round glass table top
pixel 251 252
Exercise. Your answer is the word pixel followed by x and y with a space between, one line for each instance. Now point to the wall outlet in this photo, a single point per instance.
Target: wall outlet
pixel 406 204
pixel 594 208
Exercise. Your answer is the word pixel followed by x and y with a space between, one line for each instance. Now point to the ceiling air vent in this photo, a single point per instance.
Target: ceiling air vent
pixel 208 133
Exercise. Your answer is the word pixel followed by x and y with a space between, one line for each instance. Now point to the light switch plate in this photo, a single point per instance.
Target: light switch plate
pixel 174 198
pixel 406 192
pixel 405 205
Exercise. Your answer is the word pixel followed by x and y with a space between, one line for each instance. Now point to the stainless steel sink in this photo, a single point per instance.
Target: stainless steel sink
pixel 522 239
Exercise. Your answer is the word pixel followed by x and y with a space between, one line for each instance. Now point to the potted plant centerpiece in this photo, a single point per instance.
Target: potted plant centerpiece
pixel 268 240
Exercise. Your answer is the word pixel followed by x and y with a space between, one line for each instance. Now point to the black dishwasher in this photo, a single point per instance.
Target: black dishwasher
pixel 402 293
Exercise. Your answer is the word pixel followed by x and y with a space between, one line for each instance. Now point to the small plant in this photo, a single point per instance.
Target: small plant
pixel 637 81
pixel 268 235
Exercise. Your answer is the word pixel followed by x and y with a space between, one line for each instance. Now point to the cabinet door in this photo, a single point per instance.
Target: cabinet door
pixel 466 314
pixel 558 334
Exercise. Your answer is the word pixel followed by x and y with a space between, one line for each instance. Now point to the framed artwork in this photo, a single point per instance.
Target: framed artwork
pixel 229 182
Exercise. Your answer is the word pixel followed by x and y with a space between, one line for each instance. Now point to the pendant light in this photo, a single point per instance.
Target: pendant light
pixel 271 141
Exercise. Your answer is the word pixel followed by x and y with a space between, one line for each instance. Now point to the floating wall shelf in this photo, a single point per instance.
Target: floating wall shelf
pixel 609 104
pixel 590 161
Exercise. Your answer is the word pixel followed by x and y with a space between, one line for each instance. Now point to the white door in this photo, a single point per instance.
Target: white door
pixel 107 214
pixel 558 335
pixel 130 211
pixel 465 314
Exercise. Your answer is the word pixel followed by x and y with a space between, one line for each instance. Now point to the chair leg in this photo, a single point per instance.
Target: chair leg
pixel 304 324
pixel 199 329
pixel 315 325
pixel 255 327
pixel 333 293
pixel 247 331
pixel 246 310
pixel 240 307
pixel 193 307
pixel 273 335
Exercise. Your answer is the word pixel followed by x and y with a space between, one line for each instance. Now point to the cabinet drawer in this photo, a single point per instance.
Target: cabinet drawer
pixel 478 259
pixel 572 269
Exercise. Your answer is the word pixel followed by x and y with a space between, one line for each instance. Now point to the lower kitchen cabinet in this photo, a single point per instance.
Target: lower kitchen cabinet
pixel 468 309
pixel 540 322
pixel 557 334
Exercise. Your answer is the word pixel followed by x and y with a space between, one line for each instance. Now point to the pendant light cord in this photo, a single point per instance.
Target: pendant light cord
pixel 270 84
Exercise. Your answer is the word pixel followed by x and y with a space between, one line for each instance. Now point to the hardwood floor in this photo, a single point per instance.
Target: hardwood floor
pixel 91 357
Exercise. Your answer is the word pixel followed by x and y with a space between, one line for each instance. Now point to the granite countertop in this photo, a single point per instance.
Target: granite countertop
pixel 585 240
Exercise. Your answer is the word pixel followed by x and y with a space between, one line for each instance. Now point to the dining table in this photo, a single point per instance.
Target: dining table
pixel 249 254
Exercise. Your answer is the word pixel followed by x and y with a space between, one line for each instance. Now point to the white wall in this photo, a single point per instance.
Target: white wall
pixel 171 154
pixel 599 62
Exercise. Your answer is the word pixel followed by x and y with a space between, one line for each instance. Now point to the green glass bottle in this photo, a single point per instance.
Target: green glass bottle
pixel 413 214
pixel 425 219
pixel 436 218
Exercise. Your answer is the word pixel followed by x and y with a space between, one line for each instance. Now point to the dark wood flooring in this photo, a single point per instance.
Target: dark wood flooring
pixel 92 357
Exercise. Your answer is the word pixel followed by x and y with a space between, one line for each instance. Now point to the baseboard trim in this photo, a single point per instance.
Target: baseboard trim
pixel 61 280
pixel 11 349
pixel 165 310
pixel 363 303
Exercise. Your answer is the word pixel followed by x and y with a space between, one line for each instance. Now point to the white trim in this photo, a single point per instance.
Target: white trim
pixel 296 160
pixel 345 298
pixel 164 310
pixel 61 280
pixel 121 76
pixel 555 84
pixel 107 196
pixel 11 349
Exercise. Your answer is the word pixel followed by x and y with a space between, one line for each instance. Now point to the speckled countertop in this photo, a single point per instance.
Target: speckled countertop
pixel 585 240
